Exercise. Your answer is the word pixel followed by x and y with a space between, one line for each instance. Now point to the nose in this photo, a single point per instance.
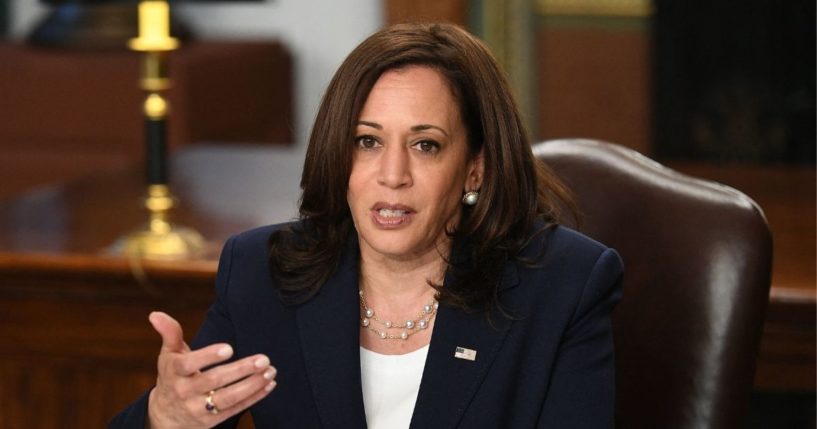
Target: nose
pixel 394 167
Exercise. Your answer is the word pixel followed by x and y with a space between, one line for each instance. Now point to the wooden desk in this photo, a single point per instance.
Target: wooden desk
pixel 75 344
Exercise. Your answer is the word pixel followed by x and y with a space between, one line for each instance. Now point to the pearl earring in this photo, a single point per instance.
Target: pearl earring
pixel 470 198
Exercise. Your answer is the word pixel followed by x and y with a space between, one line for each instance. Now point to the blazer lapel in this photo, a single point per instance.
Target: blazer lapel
pixel 449 381
pixel 329 331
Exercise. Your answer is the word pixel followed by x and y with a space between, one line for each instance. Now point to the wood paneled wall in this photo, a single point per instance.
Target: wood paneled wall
pixel 594 80
pixel 454 11
pixel 69 113
pixel 591 74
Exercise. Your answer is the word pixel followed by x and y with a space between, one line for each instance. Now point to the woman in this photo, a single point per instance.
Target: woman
pixel 427 282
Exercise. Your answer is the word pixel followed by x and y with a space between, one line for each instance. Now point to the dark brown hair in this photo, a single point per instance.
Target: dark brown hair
pixel 516 191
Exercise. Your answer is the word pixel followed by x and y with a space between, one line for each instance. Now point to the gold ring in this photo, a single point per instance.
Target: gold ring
pixel 208 403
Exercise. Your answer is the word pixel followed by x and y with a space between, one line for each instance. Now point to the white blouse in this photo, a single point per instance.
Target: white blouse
pixel 390 387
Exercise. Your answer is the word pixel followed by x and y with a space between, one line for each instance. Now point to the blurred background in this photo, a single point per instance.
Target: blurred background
pixel 693 80
pixel 717 89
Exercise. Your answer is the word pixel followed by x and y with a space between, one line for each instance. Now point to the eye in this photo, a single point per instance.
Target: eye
pixel 427 146
pixel 366 142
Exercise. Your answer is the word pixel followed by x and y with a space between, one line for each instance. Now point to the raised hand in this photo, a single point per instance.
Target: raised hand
pixel 185 396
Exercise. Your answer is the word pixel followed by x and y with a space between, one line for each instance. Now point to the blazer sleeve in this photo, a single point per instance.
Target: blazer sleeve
pixel 217 327
pixel 582 388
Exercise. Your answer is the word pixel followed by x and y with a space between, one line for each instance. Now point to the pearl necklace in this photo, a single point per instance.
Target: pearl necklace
pixel 410 327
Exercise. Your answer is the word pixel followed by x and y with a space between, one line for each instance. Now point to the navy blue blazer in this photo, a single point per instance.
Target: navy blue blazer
pixel 549 366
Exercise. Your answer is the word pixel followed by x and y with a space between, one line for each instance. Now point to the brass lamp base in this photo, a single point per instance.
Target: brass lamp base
pixel 176 242
pixel 160 239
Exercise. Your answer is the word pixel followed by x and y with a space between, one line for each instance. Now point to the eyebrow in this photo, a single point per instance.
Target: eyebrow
pixel 416 128
pixel 370 124
pixel 423 127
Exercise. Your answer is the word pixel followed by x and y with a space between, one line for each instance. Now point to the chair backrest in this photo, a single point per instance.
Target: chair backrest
pixel 697 269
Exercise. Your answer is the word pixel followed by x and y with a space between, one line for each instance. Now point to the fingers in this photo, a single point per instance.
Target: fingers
pixel 170 330
pixel 193 362
pixel 225 375
pixel 239 396
pixel 236 386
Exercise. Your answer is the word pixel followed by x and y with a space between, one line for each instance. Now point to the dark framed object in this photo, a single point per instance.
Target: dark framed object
pixel 735 83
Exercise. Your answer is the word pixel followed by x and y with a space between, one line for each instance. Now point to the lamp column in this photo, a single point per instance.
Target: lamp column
pixel 159 239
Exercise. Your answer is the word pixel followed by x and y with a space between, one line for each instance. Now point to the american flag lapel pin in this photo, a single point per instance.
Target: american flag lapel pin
pixel 467 354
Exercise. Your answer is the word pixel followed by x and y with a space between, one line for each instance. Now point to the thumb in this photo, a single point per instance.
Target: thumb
pixel 170 330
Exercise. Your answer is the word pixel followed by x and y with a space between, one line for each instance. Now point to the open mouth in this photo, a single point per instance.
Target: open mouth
pixel 391 215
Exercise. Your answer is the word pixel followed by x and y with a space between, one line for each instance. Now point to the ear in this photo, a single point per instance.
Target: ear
pixel 476 172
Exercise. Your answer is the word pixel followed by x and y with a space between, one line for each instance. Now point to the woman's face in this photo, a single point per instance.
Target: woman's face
pixel 411 166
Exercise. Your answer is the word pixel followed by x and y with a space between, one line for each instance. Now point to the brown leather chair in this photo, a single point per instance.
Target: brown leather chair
pixel 697 262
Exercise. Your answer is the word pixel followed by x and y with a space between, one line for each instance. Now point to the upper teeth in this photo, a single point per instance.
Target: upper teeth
pixel 391 213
